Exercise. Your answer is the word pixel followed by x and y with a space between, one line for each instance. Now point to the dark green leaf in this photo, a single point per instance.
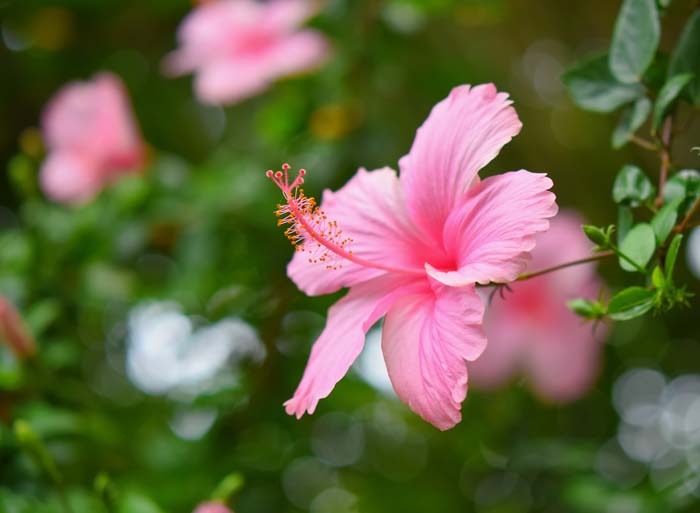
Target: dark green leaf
pixel 657 74
pixel 631 186
pixel 592 86
pixel 664 220
pixel 630 303
pixel 638 246
pixel 625 220
pixel 635 39
pixel 686 56
pixel 668 94
pixel 632 119
pixel 672 254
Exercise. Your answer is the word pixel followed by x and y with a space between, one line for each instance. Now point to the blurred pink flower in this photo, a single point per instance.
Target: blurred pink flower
pixel 413 248
pixel 91 138
pixel 532 331
pixel 237 48
pixel 212 507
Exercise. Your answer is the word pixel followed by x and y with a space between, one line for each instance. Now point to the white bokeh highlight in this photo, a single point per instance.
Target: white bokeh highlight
pixel 165 352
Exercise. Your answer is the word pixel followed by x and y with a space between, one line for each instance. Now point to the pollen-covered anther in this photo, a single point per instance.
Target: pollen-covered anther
pixel 310 230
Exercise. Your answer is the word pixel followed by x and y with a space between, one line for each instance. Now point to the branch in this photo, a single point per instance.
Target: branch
pixel 599 256
pixel 684 223
pixel 640 141
pixel 665 158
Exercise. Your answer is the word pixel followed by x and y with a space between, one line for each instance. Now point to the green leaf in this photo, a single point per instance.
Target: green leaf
pixel 30 442
pixel 668 94
pixel 625 220
pixel 136 502
pixel 586 308
pixel 631 186
pixel 683 185
pixel 635 39
pixel 664 3
pixel 630 303
pixel 672 254
pixel 592 87
pixel 41 315
pixel 664 220
pixel 657 278
pixel 228 487
pixel 638 246
pixel 686 56
pixel 632 119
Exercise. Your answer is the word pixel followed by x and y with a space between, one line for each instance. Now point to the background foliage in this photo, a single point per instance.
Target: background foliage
pixel 197 230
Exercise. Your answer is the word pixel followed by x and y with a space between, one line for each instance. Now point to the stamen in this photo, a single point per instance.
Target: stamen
pixel 311 231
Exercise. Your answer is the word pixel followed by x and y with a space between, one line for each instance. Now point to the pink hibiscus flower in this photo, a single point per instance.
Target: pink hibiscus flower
pixel 412 248
pixel 237 48
pixel 532 331
pixel 91 138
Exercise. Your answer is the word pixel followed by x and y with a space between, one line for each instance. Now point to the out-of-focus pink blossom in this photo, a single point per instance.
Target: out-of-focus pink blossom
pixel 237 48
pixel 91 138
pixel 14 332
pixel 212 507
pixel 530 329
pixel 412 248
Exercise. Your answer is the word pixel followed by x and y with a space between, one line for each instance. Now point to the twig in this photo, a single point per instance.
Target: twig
pixel 640 141
pixel 684 223
pixel 665 158
pixel 599 256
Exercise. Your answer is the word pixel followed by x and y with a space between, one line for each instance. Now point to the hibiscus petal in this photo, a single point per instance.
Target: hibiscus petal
pixel 426 339
pixel 69 178
pixel 370 210
pixel 564 360
pixel 285 15
pixel 463 133
pixel 206 33
pixel 564 242
pixel 296 53
pixel 229 81
pixel 343 338
pixel 491 234
pixel 508 341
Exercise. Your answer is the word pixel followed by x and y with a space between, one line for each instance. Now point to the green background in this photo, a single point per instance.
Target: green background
pixel 198 229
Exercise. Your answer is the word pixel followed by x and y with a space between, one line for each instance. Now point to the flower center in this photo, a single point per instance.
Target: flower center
pixel 311 230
